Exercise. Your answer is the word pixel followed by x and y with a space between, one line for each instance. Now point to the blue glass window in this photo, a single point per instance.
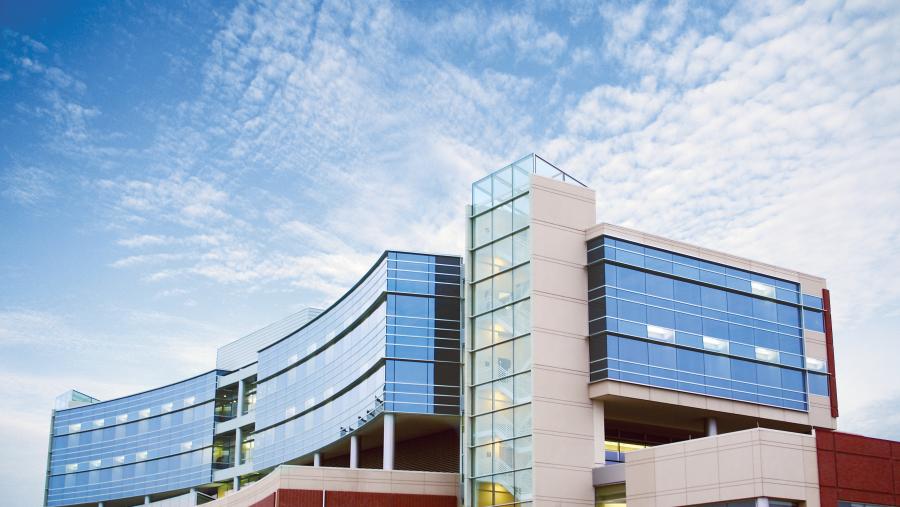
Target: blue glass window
pixel 739 303
pixel 630 279
pixel 713 298
pixel 812 301
pixel 818 384
pixel 726 306
pixel 659 286
pixel 813 320
pixel 687 292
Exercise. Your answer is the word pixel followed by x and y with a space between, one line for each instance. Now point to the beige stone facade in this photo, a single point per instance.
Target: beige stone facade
pixel 563 417
pixel 733 466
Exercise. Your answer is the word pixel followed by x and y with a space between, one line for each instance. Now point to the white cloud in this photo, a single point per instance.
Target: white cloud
pixel 28 185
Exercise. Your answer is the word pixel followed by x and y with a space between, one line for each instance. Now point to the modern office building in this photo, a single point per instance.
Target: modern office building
pixel 371 382
pixel 600 366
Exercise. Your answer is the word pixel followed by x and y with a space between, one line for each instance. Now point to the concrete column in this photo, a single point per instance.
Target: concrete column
pixel 762 502
pixel 712 426
pixel 240 398
pixel 238 435
pixel 599 434
pixel 317 459
pixel 100 504
pixel 354 451
pixel 147 500
pixel 193 494
pixel 389 442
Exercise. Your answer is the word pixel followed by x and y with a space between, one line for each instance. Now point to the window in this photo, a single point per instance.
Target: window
pixel 660 333
pixel 503 254
pixel 521 211
pixel 503 360
pixel 482 229
pixel 483 331
pixel 521 247
pixel 659 286
pixel 813 320
pixel 521 282
pixel 630 279
pixel 815 364
pixel 687 292
pixel 481 370
pixel 818 384
pixel 761 289
pixel 764 354
pixel 484 265
pixel 502 183
pixel 502 292
pixel 715 344
pixel 502 220
pixel 713 298
pixel 812 301
pixel 503 324
pixel 481 195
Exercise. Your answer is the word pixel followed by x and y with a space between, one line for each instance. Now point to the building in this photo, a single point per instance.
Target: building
pixel 601 366
pixel 361 384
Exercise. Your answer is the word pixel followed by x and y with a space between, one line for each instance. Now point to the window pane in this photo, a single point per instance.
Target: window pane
pixel 482 459
pixel 503 424
pixel 524 485
pixel 502 220
pixel 483 398
pixel 481 195
pixel 482 229
pixel 522 282
pixel 522 321
pixel 521 247
pixel 483 262
pixel 503 324
pixel 483 331
pixel 818 384
pixel 481 370
pixel 523 387
pixel 521 211
pixel 522 174
pixel 502 255
pixel 813 320
pixel 481 429
pixel 503 359
pixel 523 452
pixel 503 393
pixel 523 420
pixel 502 181
pixel 502 289
pixel 481 297
pixel 522 352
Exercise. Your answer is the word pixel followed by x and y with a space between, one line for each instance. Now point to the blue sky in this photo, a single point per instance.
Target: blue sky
pixel 174 176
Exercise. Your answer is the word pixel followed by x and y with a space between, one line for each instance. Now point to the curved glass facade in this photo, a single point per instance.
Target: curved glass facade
pixel 390 344
pixel 151 442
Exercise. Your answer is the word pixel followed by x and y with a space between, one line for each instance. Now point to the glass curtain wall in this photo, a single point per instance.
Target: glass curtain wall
pixel 498 430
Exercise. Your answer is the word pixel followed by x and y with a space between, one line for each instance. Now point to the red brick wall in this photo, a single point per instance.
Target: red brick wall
pixel 854 468
pixel 268 501
pixel 306 498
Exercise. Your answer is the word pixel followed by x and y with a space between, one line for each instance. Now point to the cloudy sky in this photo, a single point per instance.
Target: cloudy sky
pixel 174 177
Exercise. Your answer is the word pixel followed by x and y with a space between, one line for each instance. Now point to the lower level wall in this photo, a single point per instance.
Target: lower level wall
pixel 724 468
pixel 302 486
pixel 853 468
pixel 307 498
